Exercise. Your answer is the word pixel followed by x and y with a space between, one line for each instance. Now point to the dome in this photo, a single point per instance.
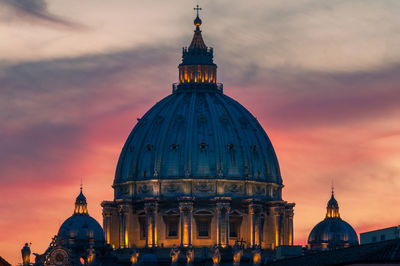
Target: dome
pixel 332 232
pixel 80 226
pixel 198 134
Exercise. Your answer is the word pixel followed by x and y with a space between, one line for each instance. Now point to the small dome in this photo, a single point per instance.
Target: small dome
pixel 197 21
pixel 333 233
pixel 82 228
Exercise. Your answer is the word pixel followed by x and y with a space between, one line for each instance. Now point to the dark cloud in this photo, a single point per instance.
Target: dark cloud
pixel 296 98
pixel 33 11
pixel 52 104
pixel 48 108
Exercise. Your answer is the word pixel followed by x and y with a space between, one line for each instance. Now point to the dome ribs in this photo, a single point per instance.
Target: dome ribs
pixel 126 163
pixel 162 146
pixel 189 137
pixel 242 141
pixel 257 149
pixel 238 147
pixel 203 144
pixel 217 137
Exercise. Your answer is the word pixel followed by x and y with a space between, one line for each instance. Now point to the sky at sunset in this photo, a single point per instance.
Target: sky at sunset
pixel 322 77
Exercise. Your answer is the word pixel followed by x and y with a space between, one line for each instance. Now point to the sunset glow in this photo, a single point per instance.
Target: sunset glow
pixel 323 79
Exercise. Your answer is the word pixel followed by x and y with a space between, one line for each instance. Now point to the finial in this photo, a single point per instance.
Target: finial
pixel 333 188
pixel 197 8
pixel 197 21
pixel 81 184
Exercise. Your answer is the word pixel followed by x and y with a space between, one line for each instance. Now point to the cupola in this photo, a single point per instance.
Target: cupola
pixel 197 67
pixel 80 204
pixel 332 208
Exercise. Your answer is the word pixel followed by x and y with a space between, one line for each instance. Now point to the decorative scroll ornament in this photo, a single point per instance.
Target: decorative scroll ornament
pixel 123 190
pixel 233 188
pixel 259 190
pixel 203 187
pixel 172 188
pixel 145 189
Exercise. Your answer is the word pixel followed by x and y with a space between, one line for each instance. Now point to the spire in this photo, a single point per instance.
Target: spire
pixel 80 204
pixel 197 41
pixel 332 206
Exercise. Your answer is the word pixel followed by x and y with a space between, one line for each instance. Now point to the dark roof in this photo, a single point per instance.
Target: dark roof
pixel 380 252
pixel 3 262
pixel 332 203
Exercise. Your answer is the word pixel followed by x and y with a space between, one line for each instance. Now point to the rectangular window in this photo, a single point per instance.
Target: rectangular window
pixel 235 222
pixel 233 230
pixel 374 239
pixel 173 229
pixel 203 228
pixel 383 237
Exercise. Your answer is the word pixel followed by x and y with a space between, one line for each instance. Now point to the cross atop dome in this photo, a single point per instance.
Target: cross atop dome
pixel 197 21
pixel 197 8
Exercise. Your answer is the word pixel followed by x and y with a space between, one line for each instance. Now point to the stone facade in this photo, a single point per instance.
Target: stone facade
pixel 164 213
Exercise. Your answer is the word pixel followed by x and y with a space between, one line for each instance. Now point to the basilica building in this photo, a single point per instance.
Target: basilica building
pixel 197 177
pixel 198 170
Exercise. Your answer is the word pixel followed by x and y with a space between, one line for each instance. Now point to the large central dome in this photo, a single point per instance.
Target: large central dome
pixel 198 170
pixel 197 131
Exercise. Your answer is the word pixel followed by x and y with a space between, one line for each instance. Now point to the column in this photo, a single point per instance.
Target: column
pixel 219 225
pixel 227 211
pixel 223 210
pixel 252 226
pixel 186 212
pixel 279 226
pixel 123 232
pixel 259 225
pixel 289 226
pixel 153 229
pixel 182 216
pixel 151 226
pixel 147 229
pixel 190 226
pixel 107 214
pixel 255 222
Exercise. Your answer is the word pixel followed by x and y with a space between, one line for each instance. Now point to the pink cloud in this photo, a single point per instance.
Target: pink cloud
pixel 79 130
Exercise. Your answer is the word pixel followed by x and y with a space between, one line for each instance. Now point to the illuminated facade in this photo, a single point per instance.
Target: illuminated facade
pixel 197 170
pixel 332 232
